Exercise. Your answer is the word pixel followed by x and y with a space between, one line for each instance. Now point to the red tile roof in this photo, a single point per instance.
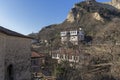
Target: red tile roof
pixel 37 55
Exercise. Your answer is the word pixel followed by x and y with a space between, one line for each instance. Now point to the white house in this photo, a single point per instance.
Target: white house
pixel 74 36
pixel 74 33
pixel 64 37
pixel 64 33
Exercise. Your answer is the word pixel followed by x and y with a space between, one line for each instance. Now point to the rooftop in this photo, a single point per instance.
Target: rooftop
pixel 37 55
pixel 11 33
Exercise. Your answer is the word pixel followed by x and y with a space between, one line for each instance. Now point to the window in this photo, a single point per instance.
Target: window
pixel 54 55
pixel 34 62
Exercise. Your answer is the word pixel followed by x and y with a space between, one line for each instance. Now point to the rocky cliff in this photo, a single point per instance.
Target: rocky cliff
pixel 115 3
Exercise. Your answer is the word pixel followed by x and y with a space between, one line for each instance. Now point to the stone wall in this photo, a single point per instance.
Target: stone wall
pixel 18 54
pixel 2 52
pixel 15 52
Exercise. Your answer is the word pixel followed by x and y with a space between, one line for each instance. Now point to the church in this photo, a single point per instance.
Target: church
pixel 15 55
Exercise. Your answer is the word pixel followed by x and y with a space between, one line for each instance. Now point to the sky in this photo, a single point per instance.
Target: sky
pixel 30 16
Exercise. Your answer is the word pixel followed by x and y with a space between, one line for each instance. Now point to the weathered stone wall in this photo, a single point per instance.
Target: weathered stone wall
pixel 2 52
pixel 18 54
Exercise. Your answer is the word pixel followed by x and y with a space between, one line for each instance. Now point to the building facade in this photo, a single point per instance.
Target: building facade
pixel 64 37
pixel 15 56
pixel 74 36
pixel 70 55
pixel 37 61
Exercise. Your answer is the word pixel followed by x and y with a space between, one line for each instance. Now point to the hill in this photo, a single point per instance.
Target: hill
pixel 92 17
pixel 100 21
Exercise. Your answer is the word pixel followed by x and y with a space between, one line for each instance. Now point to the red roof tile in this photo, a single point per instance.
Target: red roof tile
pixel 36 55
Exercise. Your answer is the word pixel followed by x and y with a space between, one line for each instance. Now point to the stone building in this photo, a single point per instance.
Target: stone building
pixel 15 55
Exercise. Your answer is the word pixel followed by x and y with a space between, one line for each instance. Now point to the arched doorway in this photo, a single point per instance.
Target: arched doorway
pixel 10 73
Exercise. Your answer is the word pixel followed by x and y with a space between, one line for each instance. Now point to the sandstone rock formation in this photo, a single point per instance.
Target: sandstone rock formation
pixel 97 16
pixel 71 17
pixel 115 3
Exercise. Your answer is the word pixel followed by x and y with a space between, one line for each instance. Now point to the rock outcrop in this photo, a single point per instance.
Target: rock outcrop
pixel 115 3
pixel 97 16
pixel 71 16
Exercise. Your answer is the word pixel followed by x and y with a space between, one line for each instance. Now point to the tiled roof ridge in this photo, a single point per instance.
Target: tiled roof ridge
pixel 12 33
